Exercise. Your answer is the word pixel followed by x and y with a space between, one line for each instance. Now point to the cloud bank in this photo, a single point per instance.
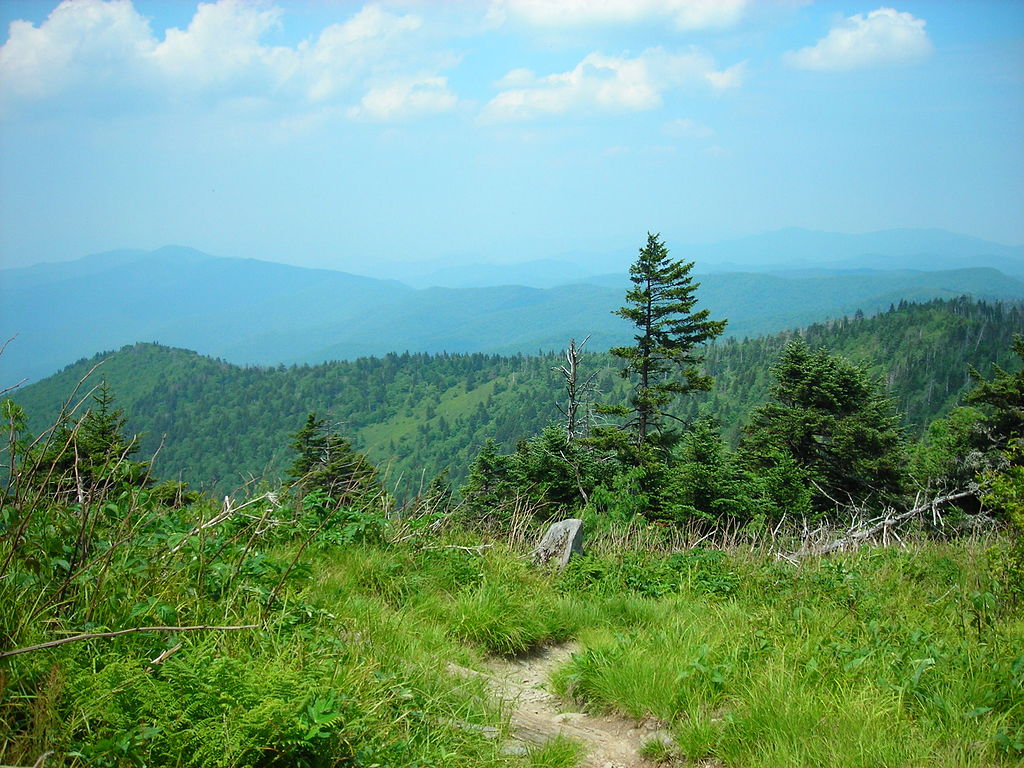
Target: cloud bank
pixel 685 15
pixel 601 83
pixel 885 37
pixel 372 62
pixel 387 65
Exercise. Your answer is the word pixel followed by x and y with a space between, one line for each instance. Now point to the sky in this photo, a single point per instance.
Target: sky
pixel 329 133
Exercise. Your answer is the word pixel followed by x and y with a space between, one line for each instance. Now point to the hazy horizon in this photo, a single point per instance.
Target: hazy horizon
pixel 623 256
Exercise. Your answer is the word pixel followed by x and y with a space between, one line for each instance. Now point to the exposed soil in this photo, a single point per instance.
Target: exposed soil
pixel 537 715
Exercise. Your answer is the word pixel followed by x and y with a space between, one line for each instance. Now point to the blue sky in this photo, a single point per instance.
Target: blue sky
pixel 333 134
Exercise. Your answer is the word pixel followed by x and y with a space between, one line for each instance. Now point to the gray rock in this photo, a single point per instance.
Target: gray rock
pixel 562 540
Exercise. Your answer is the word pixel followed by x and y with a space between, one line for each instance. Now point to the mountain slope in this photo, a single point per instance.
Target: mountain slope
pixel 176 296
pixel 256 312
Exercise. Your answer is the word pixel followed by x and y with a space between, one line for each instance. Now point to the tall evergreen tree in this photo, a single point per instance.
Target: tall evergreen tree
pixel 664 360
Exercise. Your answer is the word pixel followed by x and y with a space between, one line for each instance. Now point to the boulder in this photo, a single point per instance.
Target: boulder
pixel 562 540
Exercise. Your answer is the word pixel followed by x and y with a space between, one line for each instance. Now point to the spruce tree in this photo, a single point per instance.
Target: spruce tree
pixel 91 453
pixel 835 422
pixel 1002 400
pixel 664 360
pixel 326 461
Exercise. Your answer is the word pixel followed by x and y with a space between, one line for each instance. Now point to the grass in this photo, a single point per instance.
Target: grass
pixel 884 657
pixel 557 753
pixel 452 403
pixel 894 657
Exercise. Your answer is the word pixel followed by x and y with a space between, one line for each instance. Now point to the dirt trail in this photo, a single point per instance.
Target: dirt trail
pixel 538 715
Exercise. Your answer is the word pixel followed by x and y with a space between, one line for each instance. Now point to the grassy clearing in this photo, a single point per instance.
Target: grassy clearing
pixel 453 403
pixel 881 657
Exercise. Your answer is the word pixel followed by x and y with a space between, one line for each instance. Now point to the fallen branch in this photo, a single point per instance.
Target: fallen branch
pixel 479 548
pixel 857 534
pixel 97 635
pixel 163 657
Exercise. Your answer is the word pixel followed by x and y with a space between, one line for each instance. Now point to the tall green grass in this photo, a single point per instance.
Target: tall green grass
pixel 884 657
pixel 333 673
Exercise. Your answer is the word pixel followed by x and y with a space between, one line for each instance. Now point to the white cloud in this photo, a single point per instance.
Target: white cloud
pixel 370 40
pixel 81 40
pixel 603 84
pixel 105 49
pixel 222 45
pixel 405 98
pixel 683 14
pixel 884 37
pixel 520 77
pixel 727 78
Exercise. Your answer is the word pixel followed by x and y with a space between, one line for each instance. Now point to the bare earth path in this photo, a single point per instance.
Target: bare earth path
pixel 537 715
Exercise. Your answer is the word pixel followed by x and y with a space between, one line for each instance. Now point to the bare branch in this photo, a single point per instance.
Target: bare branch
pixel 577 393
pixel 97 635
pixel 5 390
pixel 227 512
pixel 163 657
pixel 857 533
pixel 479 548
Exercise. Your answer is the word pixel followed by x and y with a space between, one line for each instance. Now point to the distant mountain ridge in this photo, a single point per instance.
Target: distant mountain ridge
pixel 797 249
pixel 786 250
pixel 258 312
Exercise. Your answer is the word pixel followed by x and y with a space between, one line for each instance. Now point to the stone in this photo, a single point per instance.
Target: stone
pixel 561 541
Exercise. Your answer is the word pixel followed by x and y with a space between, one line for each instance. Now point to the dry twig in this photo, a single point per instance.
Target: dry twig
pixel 98 635
pixel 479 548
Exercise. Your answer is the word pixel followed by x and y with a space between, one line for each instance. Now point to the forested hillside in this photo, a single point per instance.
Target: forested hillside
pixel 332 612
pixel 218 426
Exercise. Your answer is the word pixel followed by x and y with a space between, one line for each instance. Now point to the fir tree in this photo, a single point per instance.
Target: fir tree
pixel 1002 399
pixel 91 453
pixel 327 462
pixel 664 360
